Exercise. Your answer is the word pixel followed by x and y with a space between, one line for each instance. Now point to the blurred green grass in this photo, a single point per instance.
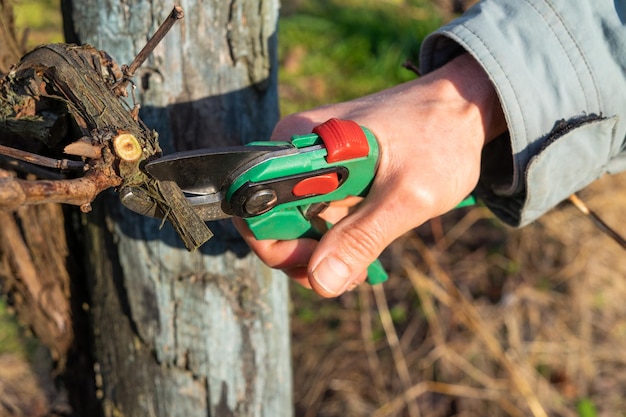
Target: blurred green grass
pixel 39 21
pixel 14 340
pixel 332 50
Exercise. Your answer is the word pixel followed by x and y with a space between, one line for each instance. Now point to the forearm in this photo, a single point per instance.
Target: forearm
pixel 471 83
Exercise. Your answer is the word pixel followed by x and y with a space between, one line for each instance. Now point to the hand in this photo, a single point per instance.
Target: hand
pixel 431 132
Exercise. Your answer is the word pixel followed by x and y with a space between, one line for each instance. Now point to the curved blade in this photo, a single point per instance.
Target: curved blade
pixel 204 171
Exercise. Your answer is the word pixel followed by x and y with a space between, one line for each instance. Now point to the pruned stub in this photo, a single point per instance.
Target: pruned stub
pixel 59 103
pixel 62 102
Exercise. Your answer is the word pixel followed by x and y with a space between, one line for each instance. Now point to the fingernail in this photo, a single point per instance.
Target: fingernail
pixel 332 275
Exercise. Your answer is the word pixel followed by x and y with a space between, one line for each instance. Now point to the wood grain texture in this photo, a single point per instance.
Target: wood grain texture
pixel 180 333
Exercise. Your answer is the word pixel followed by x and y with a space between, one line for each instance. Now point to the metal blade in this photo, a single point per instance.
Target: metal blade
pixel 204 171
pixel 209 206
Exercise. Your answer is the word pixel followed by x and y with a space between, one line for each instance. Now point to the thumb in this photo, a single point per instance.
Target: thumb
pixel 342 257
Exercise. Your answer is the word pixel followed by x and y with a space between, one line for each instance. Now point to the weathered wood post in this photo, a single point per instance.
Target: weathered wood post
pixel 179 333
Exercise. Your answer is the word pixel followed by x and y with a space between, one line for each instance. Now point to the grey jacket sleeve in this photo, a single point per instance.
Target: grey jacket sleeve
pixel 559 68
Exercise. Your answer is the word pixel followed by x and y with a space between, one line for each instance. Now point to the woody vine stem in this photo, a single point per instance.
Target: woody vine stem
pixel 15 192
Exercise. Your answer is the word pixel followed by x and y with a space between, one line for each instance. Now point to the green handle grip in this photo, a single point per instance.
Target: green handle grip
pixel 337 148
pixel 376 273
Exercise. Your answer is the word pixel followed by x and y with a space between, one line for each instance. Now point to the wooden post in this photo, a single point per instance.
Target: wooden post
pixel 179 333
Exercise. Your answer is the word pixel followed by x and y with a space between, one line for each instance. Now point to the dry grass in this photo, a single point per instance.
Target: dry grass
pixel 478 320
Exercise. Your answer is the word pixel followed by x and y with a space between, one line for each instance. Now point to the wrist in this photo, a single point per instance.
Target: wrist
pixel 466 80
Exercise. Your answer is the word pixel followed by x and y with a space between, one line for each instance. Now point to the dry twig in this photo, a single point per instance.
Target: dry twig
pixel 129 71
pixel 600 224
pixel 394 343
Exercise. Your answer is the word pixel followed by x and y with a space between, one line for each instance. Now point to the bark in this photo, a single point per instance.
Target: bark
pixel 177 332
pixel 33 247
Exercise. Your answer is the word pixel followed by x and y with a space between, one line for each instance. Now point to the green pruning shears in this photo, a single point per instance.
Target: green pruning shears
pixel 278 188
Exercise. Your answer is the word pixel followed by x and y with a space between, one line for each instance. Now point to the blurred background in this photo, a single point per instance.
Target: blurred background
pixel 477 319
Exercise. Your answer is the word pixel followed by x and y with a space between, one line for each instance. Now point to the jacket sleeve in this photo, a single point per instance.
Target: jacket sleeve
pixel 559 68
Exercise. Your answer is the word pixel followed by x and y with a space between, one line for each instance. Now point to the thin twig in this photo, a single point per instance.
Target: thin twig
pixel 36 159
pixel 600 224
pixel 411 67
pixel 16 165
pixel 129 71
pixel 15 192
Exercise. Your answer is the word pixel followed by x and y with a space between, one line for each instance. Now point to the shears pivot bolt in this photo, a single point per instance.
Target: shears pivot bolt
pixel 261 201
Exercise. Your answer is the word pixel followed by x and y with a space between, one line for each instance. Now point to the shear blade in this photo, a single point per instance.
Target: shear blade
pixel 202 174
pixel 204 171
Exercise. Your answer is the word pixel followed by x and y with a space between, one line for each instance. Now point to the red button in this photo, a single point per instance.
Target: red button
pixel 321 184
pixel 343 139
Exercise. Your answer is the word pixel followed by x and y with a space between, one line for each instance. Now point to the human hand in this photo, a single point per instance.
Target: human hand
pixel 431 132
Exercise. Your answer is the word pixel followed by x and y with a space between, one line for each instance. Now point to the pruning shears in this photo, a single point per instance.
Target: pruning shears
pixel 278 188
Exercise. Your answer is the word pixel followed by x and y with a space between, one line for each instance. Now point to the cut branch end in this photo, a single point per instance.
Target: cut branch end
pixel 127 147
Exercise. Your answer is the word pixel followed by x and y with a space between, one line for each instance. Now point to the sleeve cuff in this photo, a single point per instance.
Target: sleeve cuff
pixel 549 97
